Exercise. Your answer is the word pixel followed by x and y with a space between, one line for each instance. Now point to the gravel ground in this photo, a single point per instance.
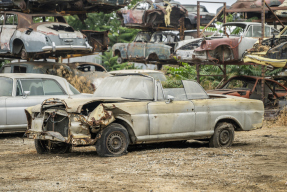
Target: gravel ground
pixel 257 161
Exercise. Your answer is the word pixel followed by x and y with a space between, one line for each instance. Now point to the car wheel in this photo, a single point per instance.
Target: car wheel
pixel 119 60
pixel 113 142
pixel 223 135
pixel 45 146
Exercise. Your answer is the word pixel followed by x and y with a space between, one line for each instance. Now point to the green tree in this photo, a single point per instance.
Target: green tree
pixel 110 62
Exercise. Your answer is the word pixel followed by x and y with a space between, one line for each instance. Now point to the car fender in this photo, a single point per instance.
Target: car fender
pixel 228 118
pixel 210 45
pixel 122 47
pixel 162 51
pixel 33 42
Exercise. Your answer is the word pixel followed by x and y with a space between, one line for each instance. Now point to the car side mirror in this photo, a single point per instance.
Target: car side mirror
pixel 170 99
pixel 26 94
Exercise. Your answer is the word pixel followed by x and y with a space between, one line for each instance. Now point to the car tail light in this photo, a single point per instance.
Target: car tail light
pixel 199 17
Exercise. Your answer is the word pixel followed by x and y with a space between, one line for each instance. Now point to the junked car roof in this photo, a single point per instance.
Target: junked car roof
pixel 135 71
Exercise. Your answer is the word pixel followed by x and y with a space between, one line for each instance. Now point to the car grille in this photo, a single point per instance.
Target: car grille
pixel 58 124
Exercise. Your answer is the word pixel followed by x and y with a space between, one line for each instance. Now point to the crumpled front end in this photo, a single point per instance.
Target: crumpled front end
pixel 54 123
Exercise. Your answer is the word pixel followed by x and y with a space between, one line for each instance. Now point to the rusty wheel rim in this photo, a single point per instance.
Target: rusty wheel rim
pixel 224 137
pixel 116 142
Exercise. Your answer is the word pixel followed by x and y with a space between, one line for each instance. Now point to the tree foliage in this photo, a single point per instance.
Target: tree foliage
pixel 110 62
pixel 187 72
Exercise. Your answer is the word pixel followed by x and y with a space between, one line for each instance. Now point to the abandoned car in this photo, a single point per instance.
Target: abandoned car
pixel 91 73
pixel 253 4
pixel 147 14
pixel 147 48
pixel 42 35
pixel 136 109
pixel 157 75
pixel 251 87
pixel 271 52
pixel 106 6
pixel 205 16
pixel 239 36
pixel 19 91
pixel 230 42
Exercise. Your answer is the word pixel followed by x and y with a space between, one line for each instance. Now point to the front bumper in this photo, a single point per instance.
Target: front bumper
pixel 55 48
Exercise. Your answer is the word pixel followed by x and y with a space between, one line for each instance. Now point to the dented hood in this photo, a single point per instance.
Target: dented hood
pixel 74 105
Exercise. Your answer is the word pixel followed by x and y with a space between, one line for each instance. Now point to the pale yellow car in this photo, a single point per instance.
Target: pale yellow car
pixel 136 109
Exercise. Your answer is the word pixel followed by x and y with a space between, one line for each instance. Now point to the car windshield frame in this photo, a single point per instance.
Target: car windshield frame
pixel 107 89
pixel 230 25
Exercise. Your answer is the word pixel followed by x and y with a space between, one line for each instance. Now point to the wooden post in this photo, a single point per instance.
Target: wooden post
pixel 198 72
pixel 224 73
pixel 263 82
pixel 263 19
pixel 224 17
pixel 198 19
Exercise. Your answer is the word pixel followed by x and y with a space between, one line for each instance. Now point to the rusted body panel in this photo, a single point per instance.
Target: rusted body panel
pixel 147 14
pixel 271 52
pixel 82 121
pixel 231 48
pixel 247 4
pixel 83 6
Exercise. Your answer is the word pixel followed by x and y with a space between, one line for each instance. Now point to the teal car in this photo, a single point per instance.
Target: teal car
pixel 147 48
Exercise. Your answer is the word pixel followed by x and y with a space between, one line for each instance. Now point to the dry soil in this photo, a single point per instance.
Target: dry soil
pixel 257 161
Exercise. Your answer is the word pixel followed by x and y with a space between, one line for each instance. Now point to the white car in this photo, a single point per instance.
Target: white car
pixel 20 90
pixel 239 36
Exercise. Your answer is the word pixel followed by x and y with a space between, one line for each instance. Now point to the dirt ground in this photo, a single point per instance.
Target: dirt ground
pixel 257 161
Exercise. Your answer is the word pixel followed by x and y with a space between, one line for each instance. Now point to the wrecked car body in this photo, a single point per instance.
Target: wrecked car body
pixel 137 109
pixel 147 48
pixel 222 47
pixel 253 4
pixel 82 75
pixel 233 40
pixel 94 73
pixel 38 36
pixel 205 16
pixel 251 88
pixel 85 6
pixel 147 14
pixel 19 91
pixel 271 52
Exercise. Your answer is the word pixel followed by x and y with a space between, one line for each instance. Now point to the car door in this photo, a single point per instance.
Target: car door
pixel 40 89
pixel 5 92
pixel 8 29
pixel 249 39
pixel 171 117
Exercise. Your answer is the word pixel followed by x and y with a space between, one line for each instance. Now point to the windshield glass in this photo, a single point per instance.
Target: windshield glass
pixel 231 30
pixel 157 76
pixel 194 9
pixel 240 84
pixel 128 87
pixel 6 86
pixel 142 37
